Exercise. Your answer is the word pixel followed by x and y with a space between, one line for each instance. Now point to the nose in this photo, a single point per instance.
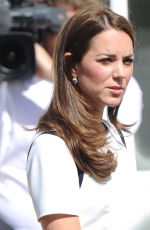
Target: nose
pixel 118 71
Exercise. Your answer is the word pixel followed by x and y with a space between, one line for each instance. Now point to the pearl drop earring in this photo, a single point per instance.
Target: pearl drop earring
pixel 74 80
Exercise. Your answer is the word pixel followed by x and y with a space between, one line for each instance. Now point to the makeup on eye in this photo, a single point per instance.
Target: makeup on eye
pixel 105 60
pixel 127 60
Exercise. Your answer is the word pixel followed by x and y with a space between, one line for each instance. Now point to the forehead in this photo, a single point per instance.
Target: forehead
pixel 112 40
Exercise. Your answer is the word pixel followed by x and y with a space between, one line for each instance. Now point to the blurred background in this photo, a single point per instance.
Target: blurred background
pixel 139 12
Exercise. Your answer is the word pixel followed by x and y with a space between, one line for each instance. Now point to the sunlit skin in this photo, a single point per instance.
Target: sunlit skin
pixel 106 68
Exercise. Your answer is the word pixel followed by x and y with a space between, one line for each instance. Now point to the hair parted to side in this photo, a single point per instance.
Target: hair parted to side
pixel 70 116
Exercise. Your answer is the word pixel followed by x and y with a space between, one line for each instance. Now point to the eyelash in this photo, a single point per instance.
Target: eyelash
pixel 126 61
pixel 105 60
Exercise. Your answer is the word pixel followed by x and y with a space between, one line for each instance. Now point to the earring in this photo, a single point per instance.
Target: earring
pixel 74 80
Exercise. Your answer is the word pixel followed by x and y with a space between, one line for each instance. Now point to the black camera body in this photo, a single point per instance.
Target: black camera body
pixel 37 18
pixel 17 55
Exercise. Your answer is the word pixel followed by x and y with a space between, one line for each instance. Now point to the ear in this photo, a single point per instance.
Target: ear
pixel 68 59
pixel 68 54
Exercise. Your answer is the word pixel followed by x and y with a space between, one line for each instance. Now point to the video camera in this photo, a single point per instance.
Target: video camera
pixel 20 27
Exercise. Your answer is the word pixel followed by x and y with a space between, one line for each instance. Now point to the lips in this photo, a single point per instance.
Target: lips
pixel 115 87
pixel 116 90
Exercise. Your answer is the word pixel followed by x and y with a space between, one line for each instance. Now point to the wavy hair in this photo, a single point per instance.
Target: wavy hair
pixel 70 116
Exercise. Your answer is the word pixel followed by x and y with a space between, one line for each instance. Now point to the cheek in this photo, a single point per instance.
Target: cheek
pixel 94 73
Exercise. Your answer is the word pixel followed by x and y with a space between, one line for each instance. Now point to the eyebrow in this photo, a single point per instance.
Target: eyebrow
pixel 113 55
pixel 129 56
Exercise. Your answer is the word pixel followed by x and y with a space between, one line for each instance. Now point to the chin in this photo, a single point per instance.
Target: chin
pixel 114 104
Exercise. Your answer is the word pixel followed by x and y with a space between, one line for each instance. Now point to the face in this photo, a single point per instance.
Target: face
pixel 106 68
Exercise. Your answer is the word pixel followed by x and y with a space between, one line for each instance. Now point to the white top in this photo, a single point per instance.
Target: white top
pixel 54 183
pixel 21 104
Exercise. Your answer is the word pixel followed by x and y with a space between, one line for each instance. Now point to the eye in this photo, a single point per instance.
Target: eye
pixel 128 61
pixel 105 61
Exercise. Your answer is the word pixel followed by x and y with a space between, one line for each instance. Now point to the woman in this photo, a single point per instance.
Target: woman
pixel 72 165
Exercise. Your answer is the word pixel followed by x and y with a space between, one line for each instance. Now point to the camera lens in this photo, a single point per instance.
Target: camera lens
pixel 12 58
pixel 17 56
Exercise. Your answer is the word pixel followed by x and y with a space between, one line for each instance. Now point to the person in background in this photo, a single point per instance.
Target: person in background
pixel 78 164
pixel 21 105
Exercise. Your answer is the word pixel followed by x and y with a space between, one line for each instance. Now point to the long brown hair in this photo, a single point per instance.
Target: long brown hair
pixel 70 116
